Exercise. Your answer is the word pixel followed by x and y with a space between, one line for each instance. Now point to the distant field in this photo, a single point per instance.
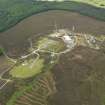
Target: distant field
pixel 98 3
pixel 13 11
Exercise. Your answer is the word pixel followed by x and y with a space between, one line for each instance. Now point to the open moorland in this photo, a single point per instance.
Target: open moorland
pixel 80 78
pixel 48 54
pixel 16 39
pixel 52 58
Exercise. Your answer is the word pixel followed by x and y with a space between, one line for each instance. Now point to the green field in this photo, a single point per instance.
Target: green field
pixel 26 71
pixel 98 3
pixel 13 11
pixel 33 66
pixel 51 45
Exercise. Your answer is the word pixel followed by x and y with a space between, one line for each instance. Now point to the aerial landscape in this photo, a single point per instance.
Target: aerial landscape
pixel 52 52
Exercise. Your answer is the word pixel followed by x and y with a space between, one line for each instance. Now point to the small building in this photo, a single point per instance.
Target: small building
pixel 67 38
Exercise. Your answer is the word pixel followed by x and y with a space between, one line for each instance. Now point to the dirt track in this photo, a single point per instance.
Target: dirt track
pixel 44 23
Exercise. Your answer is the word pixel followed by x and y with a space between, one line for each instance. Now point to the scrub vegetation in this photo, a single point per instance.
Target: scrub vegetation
pixel 1 51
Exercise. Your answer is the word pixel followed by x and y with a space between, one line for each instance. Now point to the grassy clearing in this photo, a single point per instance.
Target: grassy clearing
pixel 50 45
pixel 25 71
pixel 13 11
pixel 32 66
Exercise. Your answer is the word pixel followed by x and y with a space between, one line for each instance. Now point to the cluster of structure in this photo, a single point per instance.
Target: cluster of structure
pixel 72 39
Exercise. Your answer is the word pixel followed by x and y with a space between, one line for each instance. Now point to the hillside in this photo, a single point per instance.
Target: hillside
pixel 49 56
pixel 52 52
pixel 13 11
